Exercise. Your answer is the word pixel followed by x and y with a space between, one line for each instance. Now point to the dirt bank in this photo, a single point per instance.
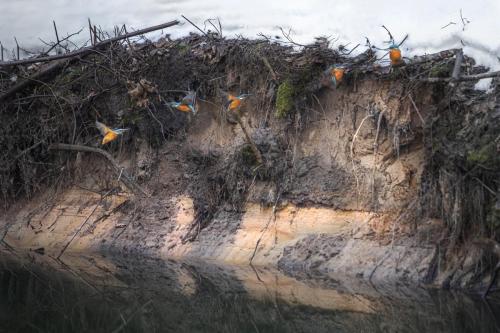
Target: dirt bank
pixel 386 177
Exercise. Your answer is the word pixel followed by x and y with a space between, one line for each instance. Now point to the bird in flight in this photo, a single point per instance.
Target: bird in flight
pixel 234 102
pixel 186 104
pixel 109 134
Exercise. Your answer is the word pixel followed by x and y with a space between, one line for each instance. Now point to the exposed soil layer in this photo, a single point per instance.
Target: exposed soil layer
pixel 385 177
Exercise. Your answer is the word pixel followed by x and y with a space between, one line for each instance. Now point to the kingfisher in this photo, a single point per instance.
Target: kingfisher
pixel 337 74
pixel 109 134
pixel 395 54
pixel 186 104
pixel 234 102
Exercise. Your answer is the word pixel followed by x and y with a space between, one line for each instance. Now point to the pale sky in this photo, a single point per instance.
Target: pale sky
pixel 350 20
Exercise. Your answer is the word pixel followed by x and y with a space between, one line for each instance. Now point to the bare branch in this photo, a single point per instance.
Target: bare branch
pixel 194 25
pixel 391 39
pixel 463 78
pixel 87 50
pixel 451 23
pixel 123 175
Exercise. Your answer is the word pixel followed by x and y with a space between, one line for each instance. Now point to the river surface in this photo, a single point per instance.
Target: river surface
pixel 432 25
pixel 96 293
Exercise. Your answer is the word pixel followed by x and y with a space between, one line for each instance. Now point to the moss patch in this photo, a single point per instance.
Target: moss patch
pixel 442 70
pixel 493 218
pixel 248 156
pixel 486 156
pixel 284 99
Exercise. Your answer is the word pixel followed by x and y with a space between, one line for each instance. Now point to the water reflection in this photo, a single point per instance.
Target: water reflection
pixel 99 294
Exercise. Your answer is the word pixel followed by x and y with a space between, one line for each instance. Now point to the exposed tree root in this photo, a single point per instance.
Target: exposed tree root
pixel 122 174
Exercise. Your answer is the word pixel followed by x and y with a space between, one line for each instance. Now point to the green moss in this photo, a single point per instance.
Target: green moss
pixel 486 156
pixel 284 99
pixel 183 49
pixel 71 74
pixel 493 217
pixel 248 156
pixel 442 70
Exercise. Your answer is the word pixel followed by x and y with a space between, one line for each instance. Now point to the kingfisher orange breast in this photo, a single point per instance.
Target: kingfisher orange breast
pixel 395 55
pixel 234 104
pixel 110 136
pixel 183 108
pixel 338 73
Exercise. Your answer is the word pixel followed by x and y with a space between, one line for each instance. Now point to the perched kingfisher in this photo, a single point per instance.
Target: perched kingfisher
pixel 186 104
pixel 337 74
pixel 234 102
pixel 395 54
pixel 109 134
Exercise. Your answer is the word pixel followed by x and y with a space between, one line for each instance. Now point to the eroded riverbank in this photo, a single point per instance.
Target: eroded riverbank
pixel 370 179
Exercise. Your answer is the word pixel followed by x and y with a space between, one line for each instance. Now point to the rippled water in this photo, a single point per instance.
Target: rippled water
pixel 432 25
pixel 91 293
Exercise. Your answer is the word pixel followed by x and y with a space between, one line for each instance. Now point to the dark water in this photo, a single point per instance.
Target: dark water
pixel 98 294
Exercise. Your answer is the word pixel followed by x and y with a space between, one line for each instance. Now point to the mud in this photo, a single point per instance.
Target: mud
pixel 357 182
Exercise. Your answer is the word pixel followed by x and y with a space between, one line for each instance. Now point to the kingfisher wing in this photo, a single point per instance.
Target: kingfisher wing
pixel 102 128
pixel 229 97
pixel 189 98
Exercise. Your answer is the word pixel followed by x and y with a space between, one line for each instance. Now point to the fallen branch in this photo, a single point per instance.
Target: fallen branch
pixel 416 60
pixel 51 69
pixel 194 25
pixel 462 78
pixel 122 174
pixel 432 57
pixel 87 50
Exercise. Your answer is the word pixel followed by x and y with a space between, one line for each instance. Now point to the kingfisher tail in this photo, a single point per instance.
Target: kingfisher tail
pixel 120 130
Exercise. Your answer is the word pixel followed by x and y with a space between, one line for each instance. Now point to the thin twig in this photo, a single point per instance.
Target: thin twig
pixel 125 323
pixel 272 218
pixel 83 224
pixel 352 154
pixel 55 30
pixel 416 109
pixel 89 49
pixel 194 25
pixel 451 23
pixel 375 152
pixel 391 39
